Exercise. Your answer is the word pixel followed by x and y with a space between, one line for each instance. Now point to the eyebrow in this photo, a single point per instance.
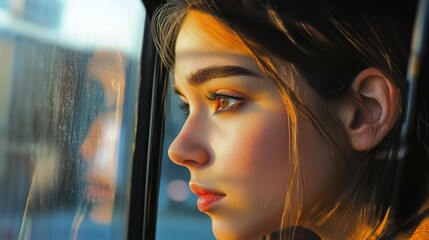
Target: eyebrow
pixel 208 73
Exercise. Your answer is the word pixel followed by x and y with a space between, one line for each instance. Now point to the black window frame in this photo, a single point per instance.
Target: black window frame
pixel 149 135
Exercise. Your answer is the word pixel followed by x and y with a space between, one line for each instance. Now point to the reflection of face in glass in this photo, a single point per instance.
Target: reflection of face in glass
pixel 100 147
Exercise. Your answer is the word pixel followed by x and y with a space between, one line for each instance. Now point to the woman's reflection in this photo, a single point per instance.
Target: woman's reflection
pixel 101 144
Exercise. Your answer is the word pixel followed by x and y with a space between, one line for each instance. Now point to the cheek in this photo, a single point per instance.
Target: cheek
pixel 253 157
pixel 253 165
pixel 257 146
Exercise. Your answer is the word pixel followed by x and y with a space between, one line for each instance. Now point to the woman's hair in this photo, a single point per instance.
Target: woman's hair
pixel 326 45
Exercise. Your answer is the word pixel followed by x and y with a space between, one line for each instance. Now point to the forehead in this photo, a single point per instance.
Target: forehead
pixel 204 28
pixel 203 40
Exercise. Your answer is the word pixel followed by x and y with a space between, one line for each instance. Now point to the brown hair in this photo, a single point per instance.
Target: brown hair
pixel 326 45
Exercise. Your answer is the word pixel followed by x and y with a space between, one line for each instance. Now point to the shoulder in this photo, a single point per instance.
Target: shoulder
pixel 422 230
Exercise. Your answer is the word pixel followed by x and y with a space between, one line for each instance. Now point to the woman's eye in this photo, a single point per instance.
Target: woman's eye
pixel 224 103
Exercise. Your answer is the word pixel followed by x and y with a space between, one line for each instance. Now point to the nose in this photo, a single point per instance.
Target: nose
pixel 190 148
pixel 89 145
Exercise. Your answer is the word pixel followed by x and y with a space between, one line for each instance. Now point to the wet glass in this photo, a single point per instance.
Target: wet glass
pixel 68 94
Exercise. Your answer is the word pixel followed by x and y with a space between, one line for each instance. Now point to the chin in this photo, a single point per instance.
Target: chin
pixel 102 214
pixel 233 232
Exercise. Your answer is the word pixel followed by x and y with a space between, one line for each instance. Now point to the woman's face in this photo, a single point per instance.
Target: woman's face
pixel 235 141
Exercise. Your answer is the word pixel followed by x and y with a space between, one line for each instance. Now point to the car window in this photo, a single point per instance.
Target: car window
pixel 68 95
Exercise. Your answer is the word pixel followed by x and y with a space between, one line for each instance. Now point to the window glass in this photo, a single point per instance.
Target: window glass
pixel 178 215
pixel 68 93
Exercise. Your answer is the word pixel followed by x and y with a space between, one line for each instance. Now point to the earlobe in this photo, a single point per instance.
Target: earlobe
pixel 370 113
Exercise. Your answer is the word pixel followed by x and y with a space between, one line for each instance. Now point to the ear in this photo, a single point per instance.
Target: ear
pixel 369 114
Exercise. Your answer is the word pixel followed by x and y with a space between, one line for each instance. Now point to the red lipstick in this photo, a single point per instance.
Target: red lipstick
pixel 98 189
pixel 207 198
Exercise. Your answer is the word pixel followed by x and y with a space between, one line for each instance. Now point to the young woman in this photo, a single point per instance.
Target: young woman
pixel 294 112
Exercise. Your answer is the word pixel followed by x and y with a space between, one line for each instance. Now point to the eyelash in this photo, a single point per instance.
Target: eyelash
pixel 213 96
pixel 184 107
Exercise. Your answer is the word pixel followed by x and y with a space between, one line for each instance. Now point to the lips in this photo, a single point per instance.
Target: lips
pixel 99 190
pixel 207 198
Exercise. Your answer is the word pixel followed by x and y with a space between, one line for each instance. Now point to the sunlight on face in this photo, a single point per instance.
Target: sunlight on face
pixel 235 141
